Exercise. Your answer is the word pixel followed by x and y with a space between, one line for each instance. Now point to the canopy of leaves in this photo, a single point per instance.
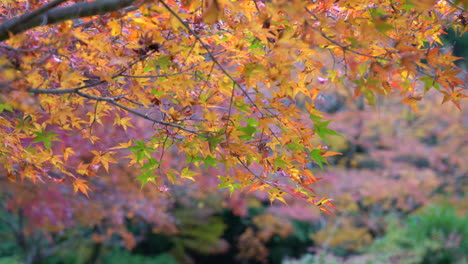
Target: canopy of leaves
pixel 229 86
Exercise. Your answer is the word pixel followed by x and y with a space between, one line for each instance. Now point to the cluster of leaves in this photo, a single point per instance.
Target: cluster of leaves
pixel 217 79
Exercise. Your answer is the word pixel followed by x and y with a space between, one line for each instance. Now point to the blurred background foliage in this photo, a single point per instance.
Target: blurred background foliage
pixel 400 188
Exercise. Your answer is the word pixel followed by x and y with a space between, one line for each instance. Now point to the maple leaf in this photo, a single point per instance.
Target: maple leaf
pixel 67 152
pixel 45 137
pixel 103 158
pixel 316 155
pixel 307 177
pixel 4 107
pixel 412 101
pixel 454 97
pixel 276 194
pixel 187 174
pixel 124 145
pixel 331 153
pixel 257 186
pixel 80 185
pixel 123 122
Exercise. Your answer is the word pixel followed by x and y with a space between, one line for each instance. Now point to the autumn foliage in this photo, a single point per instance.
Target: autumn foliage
pixel 183 90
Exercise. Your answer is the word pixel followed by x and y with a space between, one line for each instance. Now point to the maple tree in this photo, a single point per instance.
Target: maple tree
pixel 225 84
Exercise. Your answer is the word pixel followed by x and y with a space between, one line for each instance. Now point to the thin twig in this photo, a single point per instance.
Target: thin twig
pixel 256 6
pixel 17 49
pixel 255 175
pixel 339 44
pixel 74 90
pixel 113 100
pixel 156 76
pixel 156 121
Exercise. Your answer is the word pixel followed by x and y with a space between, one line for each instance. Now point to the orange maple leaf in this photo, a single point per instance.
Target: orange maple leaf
pixel 80 185
pixel 455 97
pixel 412 101
pixel 103 158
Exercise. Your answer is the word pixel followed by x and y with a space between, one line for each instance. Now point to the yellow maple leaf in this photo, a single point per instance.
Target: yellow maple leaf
pixel 211 116
pixel 276 194
pixel 103 158
pixel 67 152
pixel 115 26
pixel 123 122
pixel 187 174
pixel 80 185
pixel 124 145
pixel 412 101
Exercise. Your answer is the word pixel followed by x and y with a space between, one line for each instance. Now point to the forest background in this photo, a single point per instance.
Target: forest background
pixel 199 131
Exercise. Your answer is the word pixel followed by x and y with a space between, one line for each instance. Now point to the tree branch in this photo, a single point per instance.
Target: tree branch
pixel 47 16
pixel 135 112
pixel 92 84
pixel 28 16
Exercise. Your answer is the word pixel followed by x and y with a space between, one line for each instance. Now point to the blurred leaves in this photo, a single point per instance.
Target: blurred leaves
pixel 436 235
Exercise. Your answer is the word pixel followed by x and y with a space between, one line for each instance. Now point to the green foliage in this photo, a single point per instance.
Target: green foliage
pixel 124 257
pixel 321 128
pixel 78 252
pixel 315 154
pixel 435 236
pixel 5 106
pixel 8 246
pixel 321 258
pixel 293 245
pixel 10 260
pixel 45 137
pixel 197 233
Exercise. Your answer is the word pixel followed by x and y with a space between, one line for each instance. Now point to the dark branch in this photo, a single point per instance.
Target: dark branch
pixel 113 100
pixel 65 91
pixel 344 47
pixel 47 16
pixel 92 84
pixel 135 112
pixel 28 16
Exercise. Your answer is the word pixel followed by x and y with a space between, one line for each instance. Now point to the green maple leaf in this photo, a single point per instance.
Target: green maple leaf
pixel 321 128
pixel 45 137
pixel 315 154
pixel 4 107
pixel 163 62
